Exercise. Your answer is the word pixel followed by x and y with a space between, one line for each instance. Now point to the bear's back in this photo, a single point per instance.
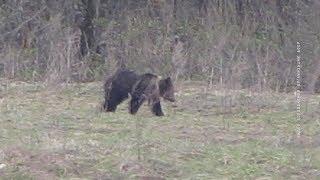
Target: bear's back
pixel 145 85
pixel 123 80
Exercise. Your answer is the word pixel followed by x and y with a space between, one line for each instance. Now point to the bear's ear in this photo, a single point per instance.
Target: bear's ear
pixel 168 80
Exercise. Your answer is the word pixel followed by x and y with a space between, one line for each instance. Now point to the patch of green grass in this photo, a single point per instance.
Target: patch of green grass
pixel 65 132
pixel 18 176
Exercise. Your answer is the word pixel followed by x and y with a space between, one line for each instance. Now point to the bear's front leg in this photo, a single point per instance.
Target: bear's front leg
pixel 156 109
pixel 135 103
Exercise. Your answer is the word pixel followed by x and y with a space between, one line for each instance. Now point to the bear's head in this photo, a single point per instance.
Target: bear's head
pixel 166 89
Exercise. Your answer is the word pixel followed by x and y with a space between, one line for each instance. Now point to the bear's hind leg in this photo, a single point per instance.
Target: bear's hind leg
pixel 115 98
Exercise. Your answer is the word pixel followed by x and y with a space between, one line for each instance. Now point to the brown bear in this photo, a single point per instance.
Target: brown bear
pixel 140 87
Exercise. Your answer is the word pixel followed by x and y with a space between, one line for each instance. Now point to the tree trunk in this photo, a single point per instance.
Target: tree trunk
pixel 87 42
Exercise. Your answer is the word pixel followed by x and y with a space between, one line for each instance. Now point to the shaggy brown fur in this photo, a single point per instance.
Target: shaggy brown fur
pixel 140 87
